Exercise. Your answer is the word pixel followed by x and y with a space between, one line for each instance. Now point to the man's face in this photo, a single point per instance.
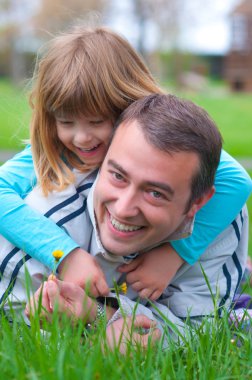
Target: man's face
pixel 141 193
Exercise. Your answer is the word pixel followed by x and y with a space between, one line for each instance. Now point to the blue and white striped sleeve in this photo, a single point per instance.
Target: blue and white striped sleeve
pixel 18 220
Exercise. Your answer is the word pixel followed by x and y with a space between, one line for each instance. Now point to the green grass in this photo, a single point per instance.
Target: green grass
pixel 233 115
pixel 14 116
pixel 213 352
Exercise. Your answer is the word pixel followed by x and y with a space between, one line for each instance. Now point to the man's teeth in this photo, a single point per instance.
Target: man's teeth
pixel 123 227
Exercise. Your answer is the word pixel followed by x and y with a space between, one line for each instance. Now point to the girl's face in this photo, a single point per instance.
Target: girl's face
pixel 87 137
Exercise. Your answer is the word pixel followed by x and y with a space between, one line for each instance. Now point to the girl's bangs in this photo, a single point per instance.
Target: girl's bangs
pixel 80 100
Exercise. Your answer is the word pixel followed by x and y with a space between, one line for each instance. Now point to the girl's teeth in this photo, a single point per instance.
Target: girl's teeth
pixel 88 150
pixel 123 227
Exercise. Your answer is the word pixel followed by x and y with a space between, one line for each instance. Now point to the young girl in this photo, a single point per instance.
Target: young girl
pixel 82 83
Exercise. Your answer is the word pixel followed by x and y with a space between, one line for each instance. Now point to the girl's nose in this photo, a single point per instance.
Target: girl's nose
pixel 83 136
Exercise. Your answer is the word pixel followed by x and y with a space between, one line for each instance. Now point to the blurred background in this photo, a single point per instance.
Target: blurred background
pixel 199 50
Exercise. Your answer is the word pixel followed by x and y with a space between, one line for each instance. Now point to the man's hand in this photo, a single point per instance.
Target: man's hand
pixel 151 272
pixel 127 331
pixel 68 298
pixel 39 303
pixel 80 268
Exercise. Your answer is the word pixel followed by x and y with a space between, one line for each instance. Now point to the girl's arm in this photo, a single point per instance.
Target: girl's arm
pixel 151 272
pixel 233 187
pixel 19 223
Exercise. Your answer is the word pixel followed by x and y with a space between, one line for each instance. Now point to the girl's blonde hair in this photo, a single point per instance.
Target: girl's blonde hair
pixel 86 72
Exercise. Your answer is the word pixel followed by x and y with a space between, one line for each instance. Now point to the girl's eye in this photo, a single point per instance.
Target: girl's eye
pixel 64 122
pixel 96 122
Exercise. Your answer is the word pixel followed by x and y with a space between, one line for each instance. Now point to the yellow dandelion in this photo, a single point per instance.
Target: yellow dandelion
pixel 52 277
pixel 120 288
pixel 123 288
pixel 57 254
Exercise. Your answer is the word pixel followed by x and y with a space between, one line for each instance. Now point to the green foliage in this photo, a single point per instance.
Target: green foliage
pixel 212 351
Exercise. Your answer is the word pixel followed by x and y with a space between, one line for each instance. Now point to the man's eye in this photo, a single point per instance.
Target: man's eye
pixel 156 194
pixel 117 176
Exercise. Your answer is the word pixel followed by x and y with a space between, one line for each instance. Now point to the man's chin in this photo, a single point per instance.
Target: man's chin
pixel 118 250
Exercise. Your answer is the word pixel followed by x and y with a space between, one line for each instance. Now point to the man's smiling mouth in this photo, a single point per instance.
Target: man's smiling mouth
pixel 123 227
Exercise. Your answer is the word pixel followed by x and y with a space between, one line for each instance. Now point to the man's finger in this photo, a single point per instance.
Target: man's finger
pixel 149 338
pixel 102 287
pixel 65 289
pixel 52 291
pixel 40 299
pixel 142 321
pixel 154 334
pixel 56 298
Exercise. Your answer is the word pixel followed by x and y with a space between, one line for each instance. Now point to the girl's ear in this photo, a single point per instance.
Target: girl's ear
pixel 196 206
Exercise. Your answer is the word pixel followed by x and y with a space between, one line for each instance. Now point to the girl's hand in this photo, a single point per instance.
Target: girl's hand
pixel 80 268
pixel 151 272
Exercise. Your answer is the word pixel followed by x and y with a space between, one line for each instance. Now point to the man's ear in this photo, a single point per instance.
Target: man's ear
pixel 197 204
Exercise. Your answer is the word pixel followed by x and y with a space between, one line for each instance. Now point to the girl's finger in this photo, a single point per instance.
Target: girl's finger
pixel 126 268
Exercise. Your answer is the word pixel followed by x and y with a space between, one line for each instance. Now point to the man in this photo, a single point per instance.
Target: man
pixel 158 172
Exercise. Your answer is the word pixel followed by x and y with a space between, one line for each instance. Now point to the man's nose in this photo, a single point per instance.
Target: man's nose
pixel 127 204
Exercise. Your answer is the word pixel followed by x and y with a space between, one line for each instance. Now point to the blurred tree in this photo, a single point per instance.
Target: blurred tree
pixel 12 20
pixel 169 18
pixel 57 15
pixel 166 16
pixel 25 24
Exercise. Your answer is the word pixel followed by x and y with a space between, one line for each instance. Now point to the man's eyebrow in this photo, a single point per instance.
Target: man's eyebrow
pixel 162 186
pixel 117 166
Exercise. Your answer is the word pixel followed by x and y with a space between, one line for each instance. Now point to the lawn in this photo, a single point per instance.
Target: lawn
pixel 233 115
pixel 213 353
pixel 14 116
